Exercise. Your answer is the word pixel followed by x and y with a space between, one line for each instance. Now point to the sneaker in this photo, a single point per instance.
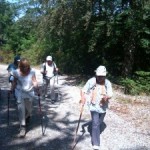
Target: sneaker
pixel 46 95
pixel 83 130
pixel 95 147
pixel 22 131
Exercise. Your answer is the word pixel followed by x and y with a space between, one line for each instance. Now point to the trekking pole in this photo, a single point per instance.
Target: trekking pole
pixel 74 141
pixel 0 93
pixel 40 111
pixel 50 83
pixel 57 77
pixel 8 101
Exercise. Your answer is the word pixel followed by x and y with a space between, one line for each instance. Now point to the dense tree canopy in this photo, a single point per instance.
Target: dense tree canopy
pixel 79 34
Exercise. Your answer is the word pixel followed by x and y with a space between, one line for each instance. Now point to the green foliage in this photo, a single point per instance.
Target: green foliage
pixel 34 54
pixel 80 35
pixel 6 16
pixel 139 84
pixel 9 58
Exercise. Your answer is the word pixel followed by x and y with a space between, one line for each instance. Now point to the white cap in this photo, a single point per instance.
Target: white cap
pixel 101 71
pixel 49 58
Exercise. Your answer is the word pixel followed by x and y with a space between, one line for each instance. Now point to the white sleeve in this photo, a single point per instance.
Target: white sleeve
pixel 85 89
pixel 89 85
pixel 109 88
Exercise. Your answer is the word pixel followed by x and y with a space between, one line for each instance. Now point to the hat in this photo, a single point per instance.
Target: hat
pixel 101 71
pixel 49 58
pixel 17 58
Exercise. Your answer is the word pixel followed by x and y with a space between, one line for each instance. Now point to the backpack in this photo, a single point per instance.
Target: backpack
pixel 93 91
pixel 54 71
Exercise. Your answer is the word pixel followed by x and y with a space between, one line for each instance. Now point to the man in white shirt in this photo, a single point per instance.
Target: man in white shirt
pixel 49 69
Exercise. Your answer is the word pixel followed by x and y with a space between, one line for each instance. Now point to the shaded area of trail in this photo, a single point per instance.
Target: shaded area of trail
pixel 60 118
pixel 57 128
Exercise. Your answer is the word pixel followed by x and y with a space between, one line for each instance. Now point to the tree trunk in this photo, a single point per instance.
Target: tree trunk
pixel 129 49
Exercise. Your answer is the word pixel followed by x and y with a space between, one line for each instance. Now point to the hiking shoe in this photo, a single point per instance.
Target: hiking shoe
pixel 83 130
pixel 28 120
pixel 46 95
pixel 52 101
pixel 22 131
pixel 95 147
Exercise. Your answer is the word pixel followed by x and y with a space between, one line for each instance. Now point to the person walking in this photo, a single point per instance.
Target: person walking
pixel 13 66
pixel 25 84
pixel 49 70
pixel 96 94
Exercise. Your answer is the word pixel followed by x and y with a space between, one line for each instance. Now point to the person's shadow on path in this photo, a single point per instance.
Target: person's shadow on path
pixel 89 127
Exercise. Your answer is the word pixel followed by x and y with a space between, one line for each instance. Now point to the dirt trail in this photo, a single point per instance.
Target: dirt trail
pixel 126 125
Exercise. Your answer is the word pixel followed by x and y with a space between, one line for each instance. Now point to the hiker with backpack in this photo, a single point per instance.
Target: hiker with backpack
pixel 49 70
pixel 25 84
pixel 13 66
pixel 96 94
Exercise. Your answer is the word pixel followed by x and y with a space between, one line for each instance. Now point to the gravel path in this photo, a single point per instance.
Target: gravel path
pixel 126 125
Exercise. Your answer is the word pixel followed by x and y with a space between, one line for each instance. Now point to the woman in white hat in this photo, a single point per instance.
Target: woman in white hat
pixel 96 93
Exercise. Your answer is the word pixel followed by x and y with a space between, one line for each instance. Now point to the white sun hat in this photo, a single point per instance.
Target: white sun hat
pixel 49 58
pixel 101 71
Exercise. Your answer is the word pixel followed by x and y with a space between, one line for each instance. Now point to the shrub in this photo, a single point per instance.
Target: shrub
pixel 138 84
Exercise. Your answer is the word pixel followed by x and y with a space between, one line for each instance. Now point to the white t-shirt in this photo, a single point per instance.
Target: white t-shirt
pixel 49 69
pixel 24 83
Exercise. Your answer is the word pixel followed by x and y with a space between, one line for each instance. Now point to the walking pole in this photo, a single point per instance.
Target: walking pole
pixel 8 101
pixel 0 93
pixel 44 88
pixel 57 77
pixel 81 111
pixel 74 141
pixel 40 112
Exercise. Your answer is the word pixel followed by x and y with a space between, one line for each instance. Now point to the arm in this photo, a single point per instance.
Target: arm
pixel 35 83
pixel 14 80
pixel 109 92
pixel 10 69
pixel 55 67
pixel 85 91
pixel 43 69
pixel 83 99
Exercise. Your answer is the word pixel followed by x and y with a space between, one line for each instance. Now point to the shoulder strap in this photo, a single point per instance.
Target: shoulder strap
pixel 54 65
pixel 94 86
pixel 94 92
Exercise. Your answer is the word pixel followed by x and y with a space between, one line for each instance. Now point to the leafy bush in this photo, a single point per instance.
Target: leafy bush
pixel 138 84
pixel 6 56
